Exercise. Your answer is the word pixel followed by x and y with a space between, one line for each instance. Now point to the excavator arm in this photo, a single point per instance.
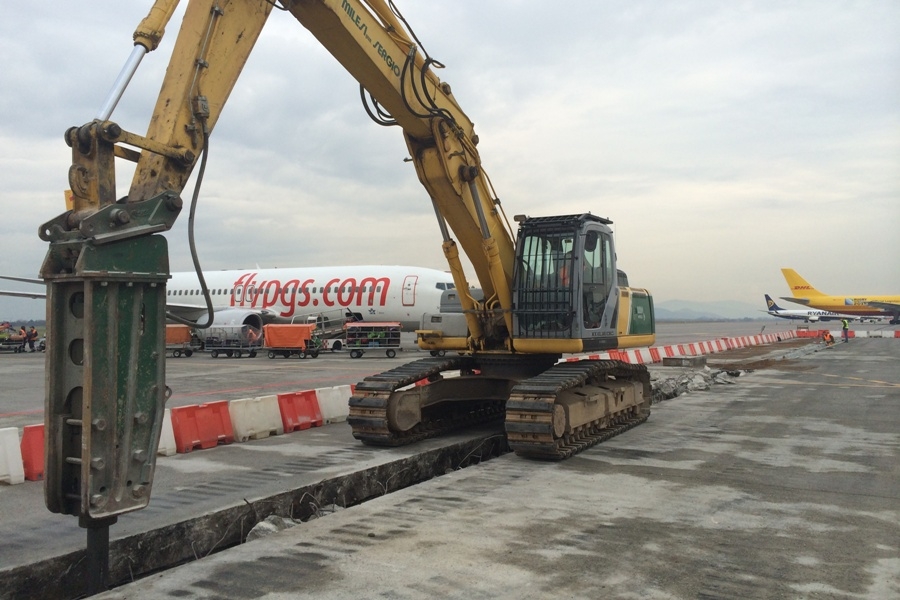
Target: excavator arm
pixel 106 268
pixel 372 42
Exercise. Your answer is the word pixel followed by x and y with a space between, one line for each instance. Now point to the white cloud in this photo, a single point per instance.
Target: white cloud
pixel 726 140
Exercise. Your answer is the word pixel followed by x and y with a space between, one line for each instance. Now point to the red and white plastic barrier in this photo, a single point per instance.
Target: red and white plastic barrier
pixel 656 354
pixel 11 469
pixel 186 428
pixel 300 410
pixel 255 418
pixel 167 446
pixel 202 426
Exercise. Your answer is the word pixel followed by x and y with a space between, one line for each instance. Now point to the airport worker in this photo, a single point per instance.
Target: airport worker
pixel 845 330
pixel 563 275
pixel 828 338
pixel 32 338
pixel 24 333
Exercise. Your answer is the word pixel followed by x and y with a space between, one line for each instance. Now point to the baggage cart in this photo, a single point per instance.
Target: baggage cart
pixel 300 339
pixel 363 336
pixel 180 341
pixel 11 343
pixel 233 341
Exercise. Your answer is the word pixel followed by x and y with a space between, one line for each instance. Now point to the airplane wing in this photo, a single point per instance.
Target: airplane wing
pixel 34 295
pixel 888 306
pixel 190 313
pixel 182 310
pixel 185 311
pixel 22 279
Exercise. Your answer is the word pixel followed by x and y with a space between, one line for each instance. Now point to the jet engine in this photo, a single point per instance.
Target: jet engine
pixel 232 318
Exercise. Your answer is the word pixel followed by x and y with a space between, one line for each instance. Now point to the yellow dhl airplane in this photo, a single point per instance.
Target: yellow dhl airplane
pixel 807 295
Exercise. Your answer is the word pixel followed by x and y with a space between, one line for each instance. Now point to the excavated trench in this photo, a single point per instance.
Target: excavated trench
pixel 64 577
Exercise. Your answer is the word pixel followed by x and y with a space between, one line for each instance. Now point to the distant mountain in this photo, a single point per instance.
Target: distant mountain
pixel 687 310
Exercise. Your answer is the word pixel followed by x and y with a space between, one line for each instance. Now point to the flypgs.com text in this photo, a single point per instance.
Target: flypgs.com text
pixel 288 295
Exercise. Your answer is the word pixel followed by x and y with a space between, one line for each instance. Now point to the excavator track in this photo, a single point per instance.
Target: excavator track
pixel 369 404
pixel 534 426
pixel 530 410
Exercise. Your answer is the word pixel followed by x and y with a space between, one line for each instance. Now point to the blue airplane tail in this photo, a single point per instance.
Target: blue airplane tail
pixel 770 304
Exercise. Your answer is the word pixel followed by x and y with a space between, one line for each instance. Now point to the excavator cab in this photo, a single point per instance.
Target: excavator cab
pixel 565 283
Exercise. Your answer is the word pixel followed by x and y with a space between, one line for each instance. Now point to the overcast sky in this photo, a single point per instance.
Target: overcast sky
pixel 725 139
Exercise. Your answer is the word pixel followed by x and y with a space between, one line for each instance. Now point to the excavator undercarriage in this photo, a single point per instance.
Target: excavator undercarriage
pixel 550 415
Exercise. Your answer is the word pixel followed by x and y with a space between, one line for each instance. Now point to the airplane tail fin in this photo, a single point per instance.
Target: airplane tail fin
pixel 770 304
pixel 800 288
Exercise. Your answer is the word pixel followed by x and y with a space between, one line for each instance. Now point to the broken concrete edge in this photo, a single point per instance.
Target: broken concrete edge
pixel 701 379
pixel 65 577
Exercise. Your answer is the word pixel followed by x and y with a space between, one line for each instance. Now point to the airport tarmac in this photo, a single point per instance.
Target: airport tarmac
pixel 783 485
pixel 234 476
pixel 201 379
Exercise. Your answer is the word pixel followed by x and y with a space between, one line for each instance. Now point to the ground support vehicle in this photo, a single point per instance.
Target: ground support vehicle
pixel 299 340
pixel 328 323
pixel 233 341
pixel 181 341
pixel 362 337
pixel 11 344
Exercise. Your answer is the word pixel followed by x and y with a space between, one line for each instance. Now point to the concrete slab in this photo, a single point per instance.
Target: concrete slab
pixel 684 361
pixel 787 485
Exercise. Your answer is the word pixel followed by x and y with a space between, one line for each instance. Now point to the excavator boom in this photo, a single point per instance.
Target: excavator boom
pixel 549 288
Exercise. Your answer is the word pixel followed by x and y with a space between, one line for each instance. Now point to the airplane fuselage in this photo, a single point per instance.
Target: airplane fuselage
pixel 806 294
pixel 371 292
pixel 809 315
pixel 849 305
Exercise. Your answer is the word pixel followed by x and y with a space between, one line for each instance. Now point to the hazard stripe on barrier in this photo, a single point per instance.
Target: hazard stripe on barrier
pixel 211 424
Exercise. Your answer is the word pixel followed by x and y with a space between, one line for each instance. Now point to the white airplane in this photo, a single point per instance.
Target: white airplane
pixel 297 295
pixel 806 314
pixel 256 297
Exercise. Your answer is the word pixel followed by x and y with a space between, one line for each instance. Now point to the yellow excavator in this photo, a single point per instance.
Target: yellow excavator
pixel 549 289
